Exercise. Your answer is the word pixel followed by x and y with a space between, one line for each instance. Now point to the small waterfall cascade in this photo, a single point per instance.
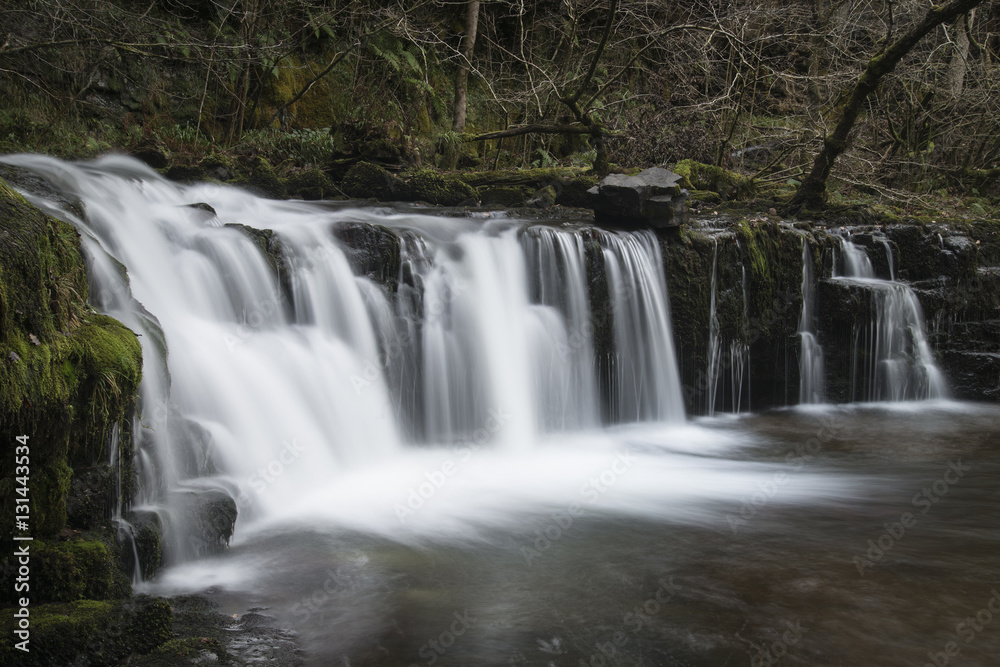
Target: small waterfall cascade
pixel 739 355
pixel 891 358
pixel 263 383
pixel 713 338
pixel 727 376
pixel 811 372
pixel 642 380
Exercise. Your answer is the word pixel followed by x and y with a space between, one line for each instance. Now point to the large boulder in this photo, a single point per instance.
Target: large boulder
pixel 651 198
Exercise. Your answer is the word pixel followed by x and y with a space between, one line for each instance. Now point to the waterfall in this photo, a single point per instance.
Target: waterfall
pixel 891 358
pixel 811 373
pixel 245 367
pixel 713 337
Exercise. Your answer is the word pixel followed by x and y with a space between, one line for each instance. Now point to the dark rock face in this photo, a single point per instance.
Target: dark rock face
pixel 270 246
pixel 372 250
pixel 210 516
pixel 651 198
pixel 957 284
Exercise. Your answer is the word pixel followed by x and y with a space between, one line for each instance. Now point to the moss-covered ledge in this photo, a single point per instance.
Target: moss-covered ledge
pixel 69 378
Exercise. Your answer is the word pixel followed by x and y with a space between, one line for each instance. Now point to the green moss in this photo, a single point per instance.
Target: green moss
pixel 186 649
pixel 90 632
pixel 366 180
pixel 698 176
pixel 221 167
pixel 437 188
pixel 505 196
pixel 532 178
pixel 76 569
pixel 67 377
pixel 311 184
pixel 262 181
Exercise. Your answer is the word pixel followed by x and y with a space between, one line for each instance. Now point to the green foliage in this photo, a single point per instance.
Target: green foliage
pixel 304 148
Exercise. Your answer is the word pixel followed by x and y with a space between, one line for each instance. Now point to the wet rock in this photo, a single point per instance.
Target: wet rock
pixel 92 496
pixel 151 157
pixel 973 376
pixel 28 181
pixel 205 636
pixel 90 632
pixel 270 245
pixel 543 198
pixel 146 535
pixel 208 516
pixel 185 173
pixel 652 198
pixel 202 206
pixel 365 180
pixel 372 250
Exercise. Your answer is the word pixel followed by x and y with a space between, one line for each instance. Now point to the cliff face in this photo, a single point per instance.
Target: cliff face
pixel 68 381
pixel 953 271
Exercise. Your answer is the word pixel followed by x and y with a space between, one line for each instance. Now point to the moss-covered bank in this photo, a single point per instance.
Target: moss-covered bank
pixel 69 378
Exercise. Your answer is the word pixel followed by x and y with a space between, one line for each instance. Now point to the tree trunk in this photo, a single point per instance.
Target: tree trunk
pixel 812 192
pixel 959 59
pixel 462 81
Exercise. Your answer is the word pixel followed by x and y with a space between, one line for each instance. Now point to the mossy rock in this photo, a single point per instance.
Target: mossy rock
pixel 504 196
pixel 261 180
pixel 707 196
pixel 698 176
pixel 543 198
pixel 185 173
pixel 220 167
pixel 311 185
pixel 187 650
pixel 442 189
pixel 89 632
pixel 86 568
pixel 366 180
pixel 68 379
pixel 574 192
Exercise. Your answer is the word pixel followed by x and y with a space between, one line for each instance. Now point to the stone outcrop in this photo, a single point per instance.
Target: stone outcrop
pixel 651 198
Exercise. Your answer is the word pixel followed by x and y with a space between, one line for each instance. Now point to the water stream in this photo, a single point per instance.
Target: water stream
pixel 484 460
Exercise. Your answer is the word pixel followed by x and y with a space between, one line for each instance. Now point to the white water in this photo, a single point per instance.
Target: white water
pixel 277 399
pixel 812 378
pixel 892 360
pixel 416 444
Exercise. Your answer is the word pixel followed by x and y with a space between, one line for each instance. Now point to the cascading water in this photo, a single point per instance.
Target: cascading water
pixel 488 320
pixel 433 466
pixel 891 358
pixel 811 373
pixel 713 337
